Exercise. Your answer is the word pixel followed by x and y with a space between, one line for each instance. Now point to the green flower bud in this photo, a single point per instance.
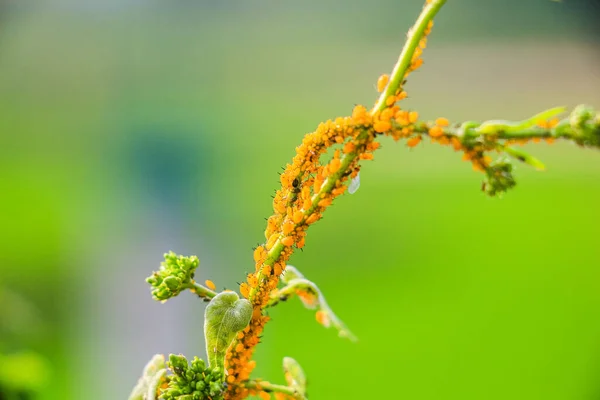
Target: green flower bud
pixel 174 275
pixel 191 381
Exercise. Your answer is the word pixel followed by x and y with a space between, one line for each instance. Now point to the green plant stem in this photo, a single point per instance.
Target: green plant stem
pixel 271 387
pixel 415 34
pixel 201 291
pixel 562 130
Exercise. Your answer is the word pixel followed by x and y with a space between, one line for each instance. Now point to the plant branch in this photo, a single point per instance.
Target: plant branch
pixel 415 34
pixel 201 291
pixel 582 126
pixel 271 387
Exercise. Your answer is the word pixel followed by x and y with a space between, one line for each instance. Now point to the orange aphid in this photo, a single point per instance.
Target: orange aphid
pixel 444 140
pixel 278 269
pixel 549 140
pixel 553 122
pixel 318 182
pixel 279 206
pixel 366 156
pixel 536 140
pixel 271 226
pixel 231 379
pixel 373 146
pixel 285 180
pixel 413 116
pixel 382 126
pixel 309 299
pixel 382 82
pixel 348 148
pixel 244 289
pixel 338 190
pixel 271 242
pixel 386 114
pixel 300 243
pixel 287 241
pixel 334 165
pixel 306 204
pixel 435 131
pixel 210 284
pixel 312 219
pixel 416 64
pixel 266 270
pixel 413 141
pixel 298 215
pixel 478 167
pixel 259 253
pixel 240 335
pixel 252 280
pixel 402 118
pixel 360 115
pixel 324 202
pixel 288 227
pixel 442 122
pixel 456 144
pixel 265 396
pixel 322 318
pixel 417 53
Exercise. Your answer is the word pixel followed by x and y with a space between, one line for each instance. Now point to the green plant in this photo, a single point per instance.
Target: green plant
pixel 327 165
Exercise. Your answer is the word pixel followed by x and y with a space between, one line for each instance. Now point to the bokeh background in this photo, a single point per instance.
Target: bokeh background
pixel 132 127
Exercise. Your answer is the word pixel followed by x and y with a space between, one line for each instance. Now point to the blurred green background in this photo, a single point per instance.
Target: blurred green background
pixel 133 127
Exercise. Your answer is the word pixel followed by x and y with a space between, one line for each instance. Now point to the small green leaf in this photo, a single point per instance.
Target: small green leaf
pixel 294 375
pixel 225 316
pixel 312 298
pixel 291 273
pixel 153 376
pixel 498 126
pixel 525 157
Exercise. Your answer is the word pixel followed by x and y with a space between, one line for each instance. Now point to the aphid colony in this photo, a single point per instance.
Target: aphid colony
pixel 308 187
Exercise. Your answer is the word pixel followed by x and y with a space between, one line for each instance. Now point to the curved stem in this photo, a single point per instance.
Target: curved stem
pixel 415 34
pixel 507 130
pixel 271 387
pixel 201 291
pixel 302 284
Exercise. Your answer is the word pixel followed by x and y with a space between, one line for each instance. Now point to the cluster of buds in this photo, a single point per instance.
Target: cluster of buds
pixel 193 381
pixel 176 274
